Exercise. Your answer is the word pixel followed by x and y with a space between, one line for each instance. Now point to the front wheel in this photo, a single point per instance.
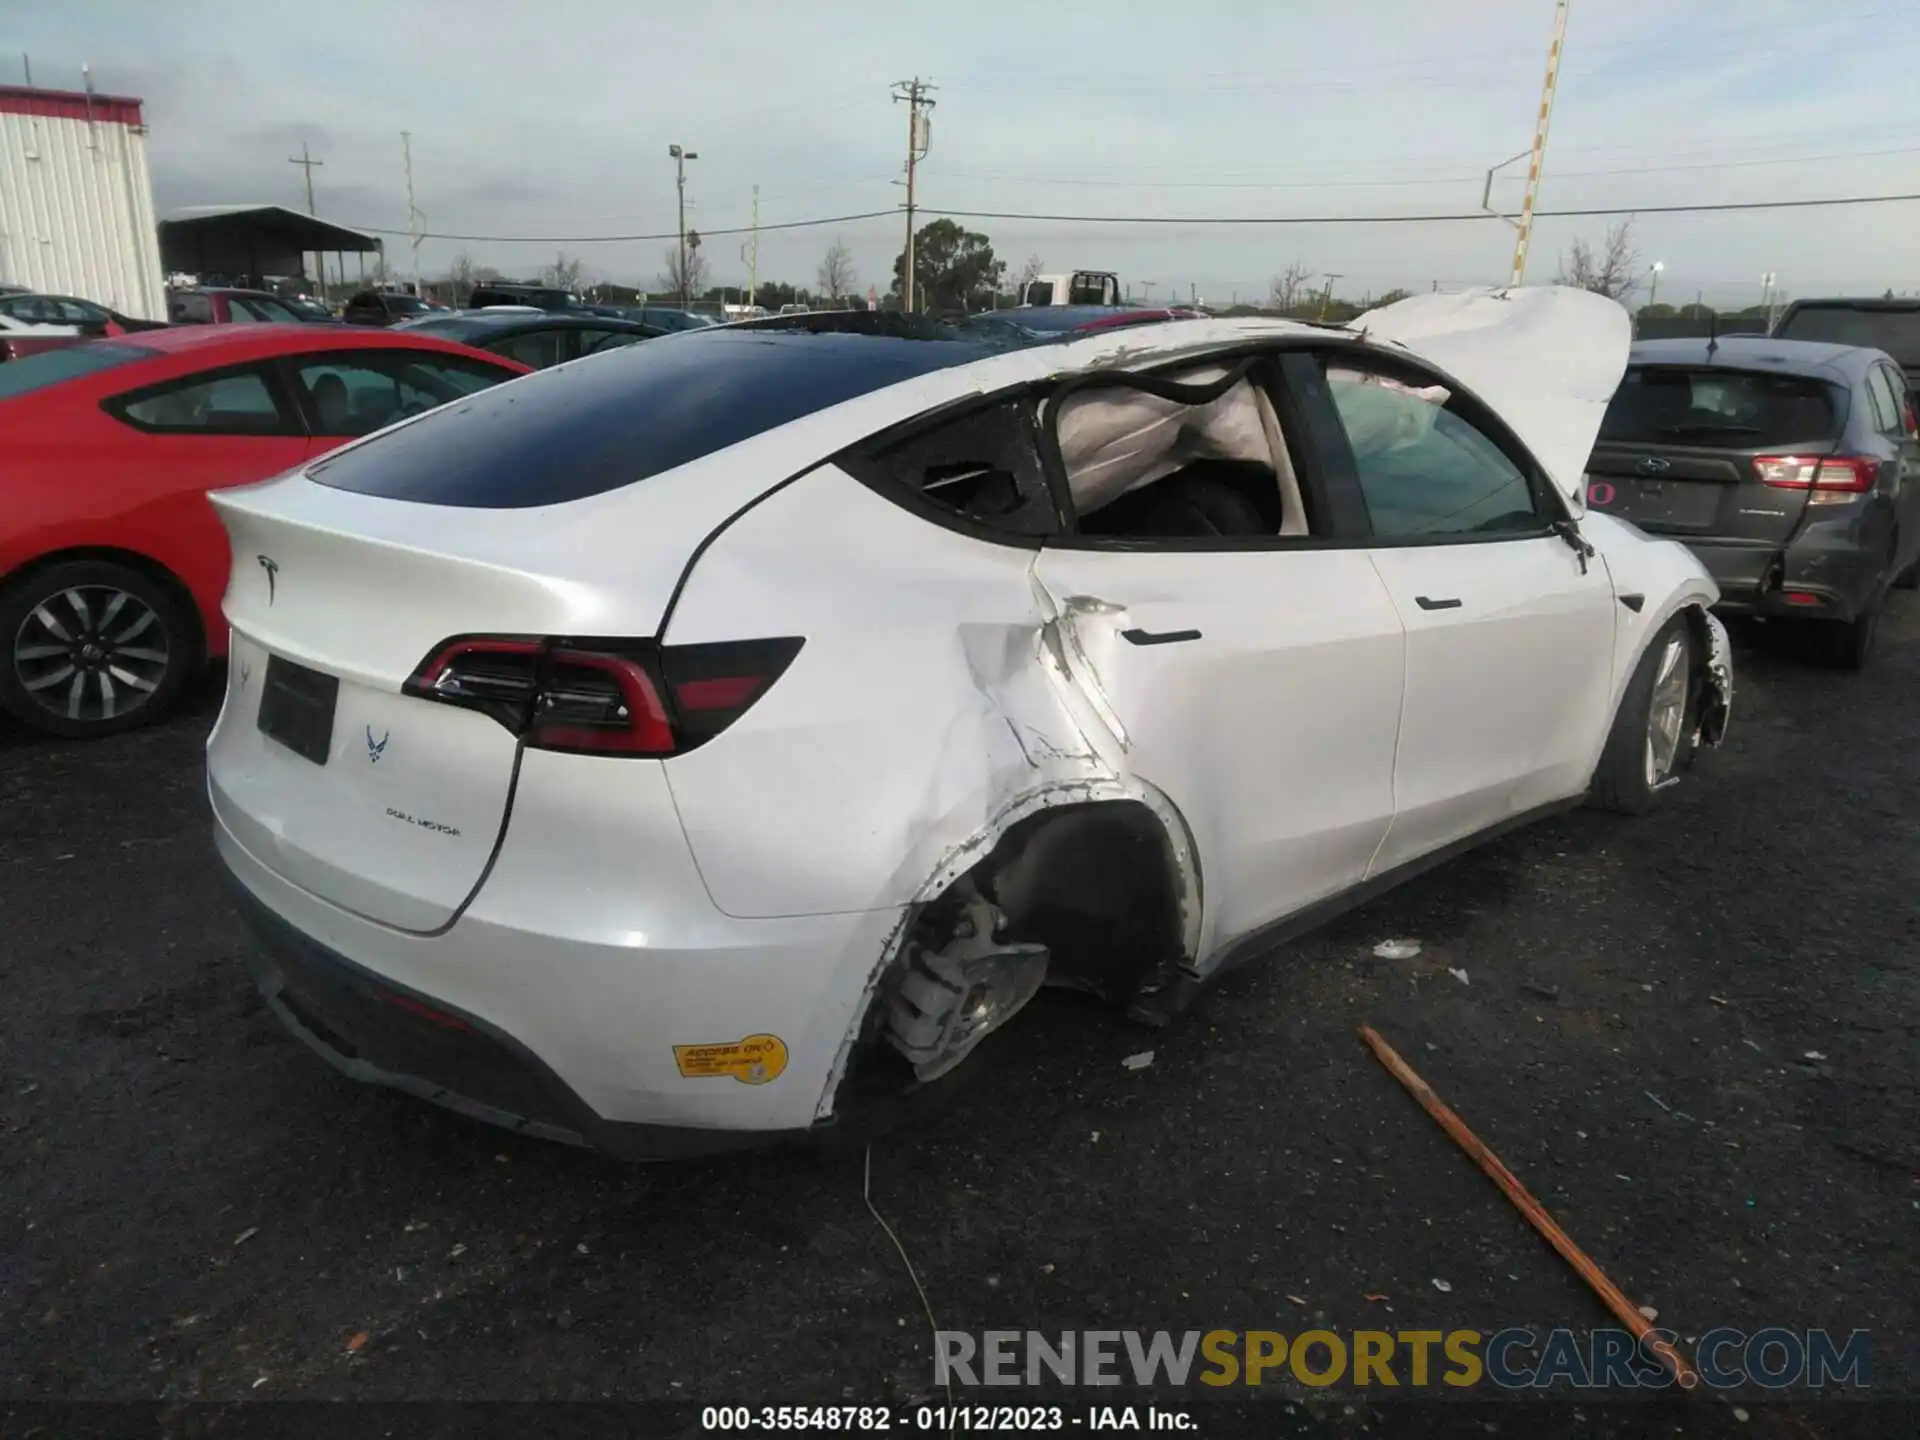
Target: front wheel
pixel 91 648
pixel 1654 731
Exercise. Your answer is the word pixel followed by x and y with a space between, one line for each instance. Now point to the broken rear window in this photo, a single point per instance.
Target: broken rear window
pixel 1707 405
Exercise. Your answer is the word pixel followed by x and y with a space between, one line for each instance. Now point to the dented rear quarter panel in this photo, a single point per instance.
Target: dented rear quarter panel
pixel 921 713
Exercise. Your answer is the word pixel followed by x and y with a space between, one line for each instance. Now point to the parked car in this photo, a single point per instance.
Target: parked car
pixel 704 744
pixel 311 310
pixel 38 309
pixel 537 338
pixel 111 561
pixel 227 305
pixel 508 292
pixel 24 337
pixel 1057 320
pixel 1888 325
pixel 1790 468
pixel 386 307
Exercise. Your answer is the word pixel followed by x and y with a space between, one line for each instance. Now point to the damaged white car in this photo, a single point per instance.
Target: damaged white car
pixel 697 744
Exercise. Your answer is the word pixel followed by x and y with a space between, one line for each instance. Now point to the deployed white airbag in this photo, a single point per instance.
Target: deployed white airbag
pixel 1114 441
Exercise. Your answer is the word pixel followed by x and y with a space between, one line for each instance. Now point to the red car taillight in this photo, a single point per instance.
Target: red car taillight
pixel 604 697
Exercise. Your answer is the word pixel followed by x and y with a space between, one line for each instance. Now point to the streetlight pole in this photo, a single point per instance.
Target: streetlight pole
pixel 680 158
pixel 1653 285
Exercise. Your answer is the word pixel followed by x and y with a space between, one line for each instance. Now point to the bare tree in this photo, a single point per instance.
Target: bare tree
pixel 1030 272
pixel 1614 272
pixel 836 275
pixel 460 277
pixel 689 285
pixel 1289 287
pixel 563 273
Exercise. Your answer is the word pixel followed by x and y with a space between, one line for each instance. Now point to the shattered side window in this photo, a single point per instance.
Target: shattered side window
pixel 983 467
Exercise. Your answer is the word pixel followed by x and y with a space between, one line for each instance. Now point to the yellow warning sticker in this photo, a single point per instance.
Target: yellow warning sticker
pixel 752 1061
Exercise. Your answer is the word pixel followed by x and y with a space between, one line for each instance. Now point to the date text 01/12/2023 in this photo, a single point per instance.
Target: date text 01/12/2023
pixel 942 1419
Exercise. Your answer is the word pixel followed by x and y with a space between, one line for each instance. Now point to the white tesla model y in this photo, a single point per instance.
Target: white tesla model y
pixel 699 743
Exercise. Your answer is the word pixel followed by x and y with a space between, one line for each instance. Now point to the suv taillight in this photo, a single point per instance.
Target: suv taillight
pixel 604 697
pixel 1830 478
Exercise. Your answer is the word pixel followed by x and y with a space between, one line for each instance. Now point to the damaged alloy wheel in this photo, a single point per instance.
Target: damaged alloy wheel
pixel 952 997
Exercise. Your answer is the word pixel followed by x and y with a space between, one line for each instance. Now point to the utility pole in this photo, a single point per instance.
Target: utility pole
pixel 1326 295
pixel 751 254
pixel 414 217
pixel 1539 151
pixel 1770 298
pixel 307 162
pixel 680 158
pixel 919 143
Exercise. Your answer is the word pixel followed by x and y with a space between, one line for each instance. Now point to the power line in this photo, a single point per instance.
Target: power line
pixel 1433 219
pixel 1436 218
pixel 620 239
pixel 1002 178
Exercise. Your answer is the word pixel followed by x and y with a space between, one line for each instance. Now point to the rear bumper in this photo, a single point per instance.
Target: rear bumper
pixel 1824 561
pixel 512 1017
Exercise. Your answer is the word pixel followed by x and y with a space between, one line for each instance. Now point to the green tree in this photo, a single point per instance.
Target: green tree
pixel 953 269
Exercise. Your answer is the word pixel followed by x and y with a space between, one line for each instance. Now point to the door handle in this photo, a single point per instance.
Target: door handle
pixel 1427 602
pixel 1163 637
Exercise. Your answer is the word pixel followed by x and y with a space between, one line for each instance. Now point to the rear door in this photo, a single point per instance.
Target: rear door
pixel 1685 449
pixel 1893 421
pixel 215 427
pixel 1253 680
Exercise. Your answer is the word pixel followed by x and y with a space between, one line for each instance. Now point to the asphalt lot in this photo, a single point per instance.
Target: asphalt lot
pixel 193 1206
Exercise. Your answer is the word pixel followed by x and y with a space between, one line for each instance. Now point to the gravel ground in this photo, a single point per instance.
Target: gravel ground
pixel 1693 1036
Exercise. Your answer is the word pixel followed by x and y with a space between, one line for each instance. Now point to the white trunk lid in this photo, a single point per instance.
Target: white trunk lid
pixel 382 803
pixel 1547 358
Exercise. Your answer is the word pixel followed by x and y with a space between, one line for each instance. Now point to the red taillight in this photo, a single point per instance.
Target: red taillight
pixel 1844 474
pixel 604 697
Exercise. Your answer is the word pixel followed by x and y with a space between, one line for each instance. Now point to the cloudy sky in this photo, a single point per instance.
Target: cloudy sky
pixel 553 120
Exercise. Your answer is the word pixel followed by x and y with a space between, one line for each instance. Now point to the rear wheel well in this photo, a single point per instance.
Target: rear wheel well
pixel 133 560
pixel 1097 883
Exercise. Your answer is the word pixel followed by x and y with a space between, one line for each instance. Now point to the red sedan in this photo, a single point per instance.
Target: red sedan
pixel 112 564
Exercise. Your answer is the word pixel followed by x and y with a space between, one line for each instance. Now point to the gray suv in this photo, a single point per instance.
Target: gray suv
pixel 1791 469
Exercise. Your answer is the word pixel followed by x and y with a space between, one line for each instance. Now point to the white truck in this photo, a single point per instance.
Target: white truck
pixel 1082 287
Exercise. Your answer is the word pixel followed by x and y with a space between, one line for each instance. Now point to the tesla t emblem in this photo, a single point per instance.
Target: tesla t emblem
pixel 376 748
pixel 272 567
pixel 1654 465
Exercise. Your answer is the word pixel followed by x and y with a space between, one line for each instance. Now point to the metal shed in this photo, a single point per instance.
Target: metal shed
pixel 252 240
